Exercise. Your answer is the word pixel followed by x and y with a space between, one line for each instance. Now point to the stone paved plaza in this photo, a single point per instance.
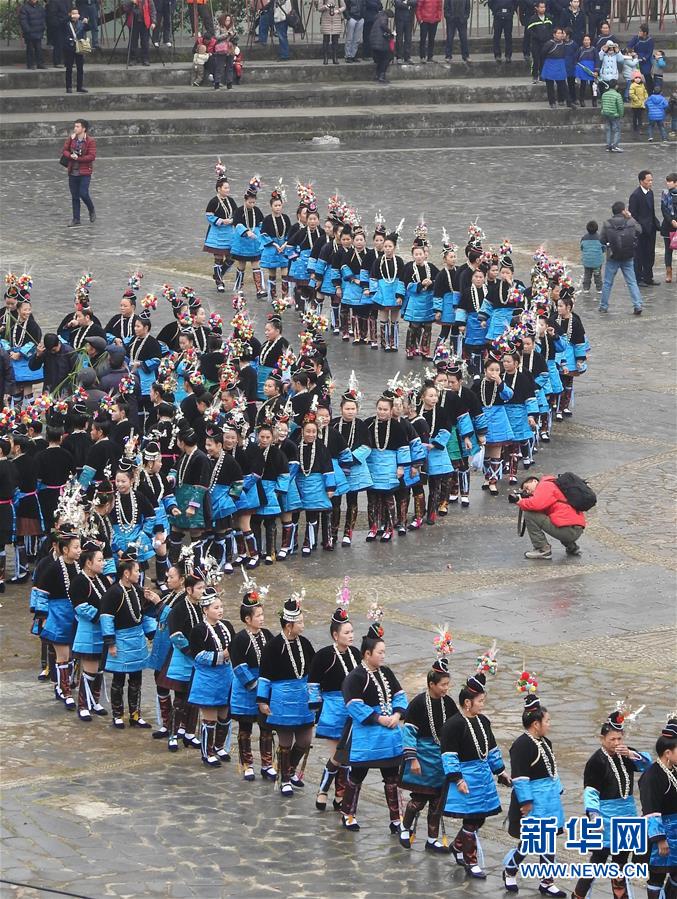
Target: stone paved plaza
pixel 94 812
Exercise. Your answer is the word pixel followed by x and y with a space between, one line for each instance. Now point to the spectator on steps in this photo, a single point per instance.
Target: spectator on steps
pixel 573 17
pixel 89 9
pixel 199 12
pixel 597 11
pixel 371 9
pixel 429 15
pixel 525 11
pixel 74 30
pixel 603 35
pixel 554 69
pixel 638 97
pixel 355 28
pixel 141 18
pixel 586 70
pixel 610 58
pixel 165 15
pixel 381 39
pixel 643 46
pixel 331 27
pixel 224 50
pixel 56 12
pixel 32 19
pixel 570 57
pixel 283 8
pixel 503 12
pixel 200 60
pixel 456 15
pixel 405 10
pixel 540 32
pixel 656 110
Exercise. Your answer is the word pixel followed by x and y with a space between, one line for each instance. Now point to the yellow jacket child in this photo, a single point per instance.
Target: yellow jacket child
pixel 638 93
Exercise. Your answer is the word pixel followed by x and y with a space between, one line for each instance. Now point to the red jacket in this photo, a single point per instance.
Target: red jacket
pixel 87 156
pixel 429 10
pixel 549 498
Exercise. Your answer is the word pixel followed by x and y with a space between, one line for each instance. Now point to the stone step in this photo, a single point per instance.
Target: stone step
pixel 279 73
pixel 294 96
pixel 300 124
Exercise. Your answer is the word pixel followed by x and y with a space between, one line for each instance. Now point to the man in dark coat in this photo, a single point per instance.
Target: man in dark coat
pixel 503 12
pixel 32 21
pixel 642 209
pixel 57 18
pixel 58 359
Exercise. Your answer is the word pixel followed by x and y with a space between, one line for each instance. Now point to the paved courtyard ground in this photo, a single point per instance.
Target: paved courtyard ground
pixel 93 812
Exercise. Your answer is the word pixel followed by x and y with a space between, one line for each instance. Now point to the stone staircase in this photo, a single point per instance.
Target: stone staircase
pixel 291 101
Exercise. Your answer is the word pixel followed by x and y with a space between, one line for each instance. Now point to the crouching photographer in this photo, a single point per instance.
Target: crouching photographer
pixel 553 507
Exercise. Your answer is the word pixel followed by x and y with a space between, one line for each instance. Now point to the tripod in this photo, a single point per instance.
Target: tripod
pixel 128 25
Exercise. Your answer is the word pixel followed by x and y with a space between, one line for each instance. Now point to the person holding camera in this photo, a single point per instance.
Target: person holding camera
pixel 331 26
pixel 79 152
pixel 141 19
pixel 610 65
pixel 547 511
pixel 74 31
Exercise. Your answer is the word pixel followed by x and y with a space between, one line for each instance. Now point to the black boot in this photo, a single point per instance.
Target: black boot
pixel 134 701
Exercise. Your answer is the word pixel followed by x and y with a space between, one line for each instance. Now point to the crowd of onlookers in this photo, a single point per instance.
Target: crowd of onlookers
pixel 570 44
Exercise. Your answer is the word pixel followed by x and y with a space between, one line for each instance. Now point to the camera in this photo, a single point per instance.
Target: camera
pixel 516 496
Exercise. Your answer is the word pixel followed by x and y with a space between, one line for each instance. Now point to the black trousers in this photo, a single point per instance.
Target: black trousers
pixel 71 58
pixel 460 26
pixel 33 52
pixel 428 30
pixel 561 90
pixel 223 62
pixel 382 60
pixel 645 256
pixel 140 35
pixel 503 27
pixel 404 26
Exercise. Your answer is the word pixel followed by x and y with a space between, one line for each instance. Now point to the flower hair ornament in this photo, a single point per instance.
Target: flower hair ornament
pixel 220 170
pixel 487 664
pixel 249 588
pixel 447 245
pixel 443 641
pixel 624 715
pixel 527 682
pixel 343 593
pixel 134 281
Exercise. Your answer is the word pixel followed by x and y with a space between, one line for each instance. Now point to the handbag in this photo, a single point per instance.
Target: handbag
pixel 64 161
pixel 294 22
pixel 673 240
pixel 82 44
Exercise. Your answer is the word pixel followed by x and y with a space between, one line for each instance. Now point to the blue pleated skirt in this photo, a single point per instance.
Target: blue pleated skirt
pixel 132 651
pixel 60 624
pixel 332 717
pixel 211 685
pixel 481 801
pixel 519 421
pixel 88 637
pixel 498 425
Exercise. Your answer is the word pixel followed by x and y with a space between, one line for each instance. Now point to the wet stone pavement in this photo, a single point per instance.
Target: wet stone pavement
pixel 94 812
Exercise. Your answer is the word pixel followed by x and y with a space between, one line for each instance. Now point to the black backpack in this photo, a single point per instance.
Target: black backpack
pixel 577 493
pixel 622 240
